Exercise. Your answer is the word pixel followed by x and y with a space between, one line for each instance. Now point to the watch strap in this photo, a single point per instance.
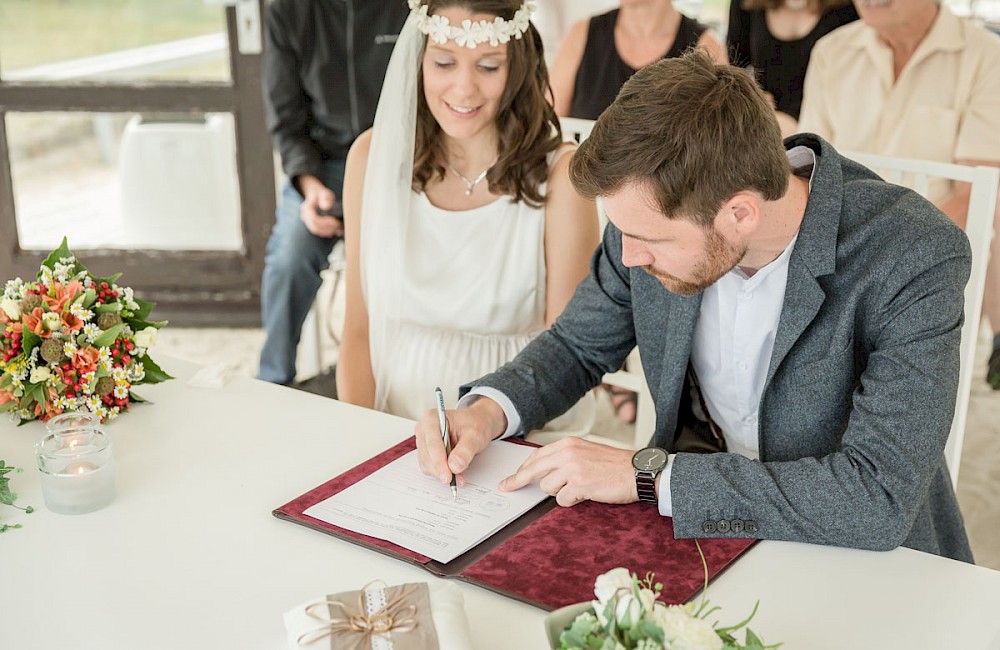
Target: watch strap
pixel 645 483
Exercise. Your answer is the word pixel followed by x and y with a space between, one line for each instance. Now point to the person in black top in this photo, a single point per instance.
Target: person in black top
pixel 775 39
pixel 599 54
pixel 324 61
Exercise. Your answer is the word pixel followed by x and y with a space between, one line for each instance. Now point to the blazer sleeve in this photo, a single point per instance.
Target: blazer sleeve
pixel 867 492
pixel 593 336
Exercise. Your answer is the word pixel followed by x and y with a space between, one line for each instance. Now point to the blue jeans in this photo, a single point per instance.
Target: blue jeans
pixel 292 263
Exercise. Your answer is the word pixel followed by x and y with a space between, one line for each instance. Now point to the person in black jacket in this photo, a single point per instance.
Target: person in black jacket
pixel 324 62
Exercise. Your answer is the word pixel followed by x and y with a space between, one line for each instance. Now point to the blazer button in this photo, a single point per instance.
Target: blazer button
pixel 736 525
pixel 708 527
pixel 722 526
pixel 750 526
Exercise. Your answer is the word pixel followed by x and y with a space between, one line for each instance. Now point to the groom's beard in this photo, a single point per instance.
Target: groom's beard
pixel 720 257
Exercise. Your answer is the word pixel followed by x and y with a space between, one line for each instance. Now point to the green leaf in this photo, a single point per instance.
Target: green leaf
pixel 6 496
pixel 743 623
pixel 651 630
pixel 752 641
pixel 108 337
pixel 139 325
pixel 136 398
pixel 154 374
pixel 111 279
pixel 107 308
pixel 29 340
pixel 57 254
pixel 89 298
pixel 142 312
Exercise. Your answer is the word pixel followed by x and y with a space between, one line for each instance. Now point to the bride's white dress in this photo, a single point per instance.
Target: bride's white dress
pixel 471 296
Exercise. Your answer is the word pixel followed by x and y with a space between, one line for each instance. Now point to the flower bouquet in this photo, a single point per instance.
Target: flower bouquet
pixel 70 341
pixel 627 615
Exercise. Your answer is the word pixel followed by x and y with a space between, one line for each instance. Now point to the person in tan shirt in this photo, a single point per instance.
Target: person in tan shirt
pixel 912 80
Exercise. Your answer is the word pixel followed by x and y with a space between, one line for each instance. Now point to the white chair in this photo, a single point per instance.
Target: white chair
pixel 916 174
pixel 322 324
pixel 631 376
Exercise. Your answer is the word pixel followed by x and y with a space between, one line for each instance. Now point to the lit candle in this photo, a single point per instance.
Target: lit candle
pixel 78 468
pixel 76 471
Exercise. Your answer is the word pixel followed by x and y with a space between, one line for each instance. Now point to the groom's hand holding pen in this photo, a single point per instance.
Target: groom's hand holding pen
pixel 470 430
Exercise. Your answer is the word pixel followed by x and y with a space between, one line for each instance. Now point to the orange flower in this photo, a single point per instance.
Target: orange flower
pixel 6 396
pixel 62 295
pixel 85 360
pixel 33 322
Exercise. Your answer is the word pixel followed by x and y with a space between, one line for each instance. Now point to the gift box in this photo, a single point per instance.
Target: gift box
pixel 413 616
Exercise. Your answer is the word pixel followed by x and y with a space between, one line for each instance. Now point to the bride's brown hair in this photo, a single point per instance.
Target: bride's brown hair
pixel 527 126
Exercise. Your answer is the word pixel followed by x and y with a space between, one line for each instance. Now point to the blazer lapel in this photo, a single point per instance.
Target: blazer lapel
pixel 803 298
pixel 680 321
pixel 815 251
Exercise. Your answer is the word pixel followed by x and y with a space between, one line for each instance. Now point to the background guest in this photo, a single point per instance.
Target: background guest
pixel 599 54
pixel 465 238
pixel 323 71
pixel 913 80
pixel 554 17
pixel 775 38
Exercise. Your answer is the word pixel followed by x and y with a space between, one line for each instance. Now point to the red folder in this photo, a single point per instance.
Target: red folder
pixel 550 556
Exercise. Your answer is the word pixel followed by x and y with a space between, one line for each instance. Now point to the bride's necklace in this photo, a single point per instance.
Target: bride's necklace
pixel 470 185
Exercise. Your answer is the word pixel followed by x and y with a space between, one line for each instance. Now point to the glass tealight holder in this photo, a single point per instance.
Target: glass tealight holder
pixel 77 469
pixel 73 420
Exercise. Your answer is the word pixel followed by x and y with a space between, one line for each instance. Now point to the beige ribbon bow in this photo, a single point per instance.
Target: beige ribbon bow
pixel 354 630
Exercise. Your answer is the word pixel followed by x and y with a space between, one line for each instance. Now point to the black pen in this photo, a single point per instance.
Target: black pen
pixel 445 438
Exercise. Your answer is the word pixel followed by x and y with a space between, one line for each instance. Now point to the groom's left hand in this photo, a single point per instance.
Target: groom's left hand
pixel 575 470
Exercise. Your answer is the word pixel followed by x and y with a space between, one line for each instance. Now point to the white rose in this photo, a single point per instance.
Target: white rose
pixel 51 320
pixel 11 308
pixel 682 631
pixel 147 337
pixel 38 375
pixel 608 584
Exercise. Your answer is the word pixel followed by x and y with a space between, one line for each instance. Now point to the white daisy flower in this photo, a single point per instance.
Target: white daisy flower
pixel 91 331
pixel 81 312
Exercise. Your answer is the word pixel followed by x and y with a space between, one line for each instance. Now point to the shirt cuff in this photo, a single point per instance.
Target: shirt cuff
pixel 665 504
pixel 513 419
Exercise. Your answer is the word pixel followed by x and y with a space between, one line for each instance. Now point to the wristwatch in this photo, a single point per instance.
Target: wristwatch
pixel 648 464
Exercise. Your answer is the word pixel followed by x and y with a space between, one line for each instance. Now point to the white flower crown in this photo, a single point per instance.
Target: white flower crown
pixel 471 34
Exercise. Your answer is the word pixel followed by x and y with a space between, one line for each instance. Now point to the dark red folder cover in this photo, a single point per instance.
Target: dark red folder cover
pixel 550 556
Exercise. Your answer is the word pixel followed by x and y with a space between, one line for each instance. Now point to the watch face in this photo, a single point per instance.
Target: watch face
pixel 650 459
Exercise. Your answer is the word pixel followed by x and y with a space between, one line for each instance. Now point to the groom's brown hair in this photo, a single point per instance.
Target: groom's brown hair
pixel 692 132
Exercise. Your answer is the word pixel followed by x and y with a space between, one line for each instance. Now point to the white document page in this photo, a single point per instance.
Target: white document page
pixel 400 504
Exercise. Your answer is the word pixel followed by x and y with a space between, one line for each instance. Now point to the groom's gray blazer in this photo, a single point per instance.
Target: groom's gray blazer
pixel 860 389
